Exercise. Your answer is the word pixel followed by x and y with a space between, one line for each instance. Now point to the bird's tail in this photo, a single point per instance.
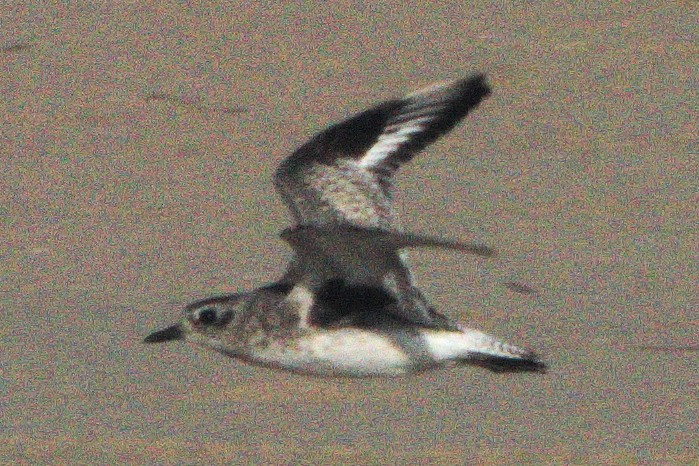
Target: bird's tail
pixel 479 349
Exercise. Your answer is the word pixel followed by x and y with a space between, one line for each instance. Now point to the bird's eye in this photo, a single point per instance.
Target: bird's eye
pixel 207 316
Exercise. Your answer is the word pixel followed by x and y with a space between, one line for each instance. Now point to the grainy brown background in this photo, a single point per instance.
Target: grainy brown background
pixel 131 186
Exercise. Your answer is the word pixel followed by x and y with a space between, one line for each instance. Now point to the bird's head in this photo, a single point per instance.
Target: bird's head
pixel 205 322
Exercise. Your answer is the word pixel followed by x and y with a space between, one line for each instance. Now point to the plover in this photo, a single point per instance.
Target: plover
pixel 347 304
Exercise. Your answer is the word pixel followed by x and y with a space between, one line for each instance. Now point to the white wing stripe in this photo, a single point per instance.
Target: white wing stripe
pixel 391 139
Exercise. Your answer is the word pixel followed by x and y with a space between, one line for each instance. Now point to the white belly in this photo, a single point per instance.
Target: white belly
pixel 348 352
pixel 360 352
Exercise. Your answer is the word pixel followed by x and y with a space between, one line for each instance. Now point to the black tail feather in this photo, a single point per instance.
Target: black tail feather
pixel 530 363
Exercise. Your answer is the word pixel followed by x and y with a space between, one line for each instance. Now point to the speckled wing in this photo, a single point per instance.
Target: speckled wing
pixel 344 176
pixel 345 173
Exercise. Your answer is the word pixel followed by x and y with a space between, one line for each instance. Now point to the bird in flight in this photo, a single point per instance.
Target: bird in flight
pixel 347 304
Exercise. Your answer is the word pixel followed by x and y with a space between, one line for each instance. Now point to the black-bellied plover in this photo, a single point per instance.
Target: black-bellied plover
pixel 347 305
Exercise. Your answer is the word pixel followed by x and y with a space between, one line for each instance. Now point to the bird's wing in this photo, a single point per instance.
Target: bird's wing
pixel 344 176
pixel 345 173
pixel 363 259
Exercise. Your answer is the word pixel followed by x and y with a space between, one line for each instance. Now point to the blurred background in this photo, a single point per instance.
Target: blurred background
pixel 137 149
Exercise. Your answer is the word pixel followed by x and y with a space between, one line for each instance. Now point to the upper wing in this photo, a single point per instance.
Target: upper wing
pixel 344 174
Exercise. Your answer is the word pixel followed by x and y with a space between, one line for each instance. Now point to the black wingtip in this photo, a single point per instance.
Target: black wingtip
pixel 477 85
pixel 472 91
